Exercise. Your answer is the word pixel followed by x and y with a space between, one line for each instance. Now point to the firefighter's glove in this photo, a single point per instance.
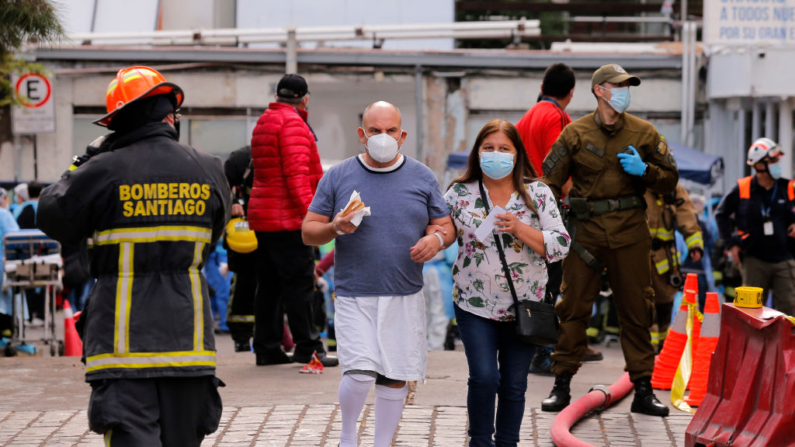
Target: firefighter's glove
pixel 631 162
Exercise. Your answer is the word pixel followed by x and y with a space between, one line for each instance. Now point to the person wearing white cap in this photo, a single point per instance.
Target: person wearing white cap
pixel 20 197
pixel 3 199
pixel 21 193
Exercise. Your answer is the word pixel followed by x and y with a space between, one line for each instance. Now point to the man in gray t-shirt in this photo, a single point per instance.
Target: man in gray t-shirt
pixel 402 202
pixel 380 308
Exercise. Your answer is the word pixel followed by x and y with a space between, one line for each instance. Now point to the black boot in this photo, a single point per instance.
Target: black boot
pixel 542 362
pixel 450 336
pixel 645 401
pixel 560 396
pixel 272 358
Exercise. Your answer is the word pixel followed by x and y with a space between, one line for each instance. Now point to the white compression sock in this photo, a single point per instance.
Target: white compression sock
pixel 352 394
pixel 388 411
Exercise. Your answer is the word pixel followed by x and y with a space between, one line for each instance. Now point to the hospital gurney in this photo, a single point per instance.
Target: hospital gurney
pixel 32 261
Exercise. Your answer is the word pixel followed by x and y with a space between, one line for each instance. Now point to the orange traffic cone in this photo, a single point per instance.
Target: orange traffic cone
pixel 691 282
pixel 691 298
pixel 668 361
pixel 73 347
pixel 314 366
pixel 710 331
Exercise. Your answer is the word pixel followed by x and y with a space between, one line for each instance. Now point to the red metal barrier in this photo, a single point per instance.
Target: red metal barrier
pixel 750 399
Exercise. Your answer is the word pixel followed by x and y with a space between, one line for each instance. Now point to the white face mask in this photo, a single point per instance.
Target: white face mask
pixel 382 147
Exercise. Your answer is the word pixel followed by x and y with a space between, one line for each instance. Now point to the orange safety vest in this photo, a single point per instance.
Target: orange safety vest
pixel 745 188
pixel 744 185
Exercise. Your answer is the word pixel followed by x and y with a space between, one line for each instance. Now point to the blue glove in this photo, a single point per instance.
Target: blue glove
pixel 632 163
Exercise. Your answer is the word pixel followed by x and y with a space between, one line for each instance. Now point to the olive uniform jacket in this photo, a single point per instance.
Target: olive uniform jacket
pixel 587 151
pixel 152 208
pixel 665 215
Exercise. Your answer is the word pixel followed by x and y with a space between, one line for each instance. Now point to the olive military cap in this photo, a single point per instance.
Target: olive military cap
pixel 613 73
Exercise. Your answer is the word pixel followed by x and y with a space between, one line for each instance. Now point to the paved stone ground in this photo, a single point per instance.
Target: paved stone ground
pixel 319 426
pixel 43 402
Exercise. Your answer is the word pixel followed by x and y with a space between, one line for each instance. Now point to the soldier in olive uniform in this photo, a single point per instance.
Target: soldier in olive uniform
pixel 612 157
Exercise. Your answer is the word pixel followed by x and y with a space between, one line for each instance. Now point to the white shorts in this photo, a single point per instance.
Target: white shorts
pixel 385 334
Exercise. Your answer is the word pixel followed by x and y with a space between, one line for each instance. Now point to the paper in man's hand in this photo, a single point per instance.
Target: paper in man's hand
pixel 359 214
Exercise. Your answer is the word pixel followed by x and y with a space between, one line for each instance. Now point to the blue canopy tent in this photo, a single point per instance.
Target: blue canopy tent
pixel 456 164
pixel 457 160
pixel 697 166
pixel 698 170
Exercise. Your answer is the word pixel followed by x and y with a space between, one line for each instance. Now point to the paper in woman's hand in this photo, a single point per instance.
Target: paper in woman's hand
pixel 356 207
pixel 487 227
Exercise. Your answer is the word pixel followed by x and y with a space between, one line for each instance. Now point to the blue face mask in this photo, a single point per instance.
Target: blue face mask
pixel 496 165
pixel 774 170
pixel 620 99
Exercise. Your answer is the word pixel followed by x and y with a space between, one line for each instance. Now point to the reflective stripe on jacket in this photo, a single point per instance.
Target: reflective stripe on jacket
pixel 152 208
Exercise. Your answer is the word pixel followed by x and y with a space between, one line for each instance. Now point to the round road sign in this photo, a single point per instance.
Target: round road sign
pixel 33 90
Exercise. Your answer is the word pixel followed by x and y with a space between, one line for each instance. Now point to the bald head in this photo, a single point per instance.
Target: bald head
pixel 380 110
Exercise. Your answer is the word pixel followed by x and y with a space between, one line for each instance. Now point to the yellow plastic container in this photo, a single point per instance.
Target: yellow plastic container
pixel 239 237
pixel 750 297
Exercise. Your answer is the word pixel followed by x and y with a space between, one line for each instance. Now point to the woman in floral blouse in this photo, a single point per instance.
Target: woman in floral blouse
pixel 531 232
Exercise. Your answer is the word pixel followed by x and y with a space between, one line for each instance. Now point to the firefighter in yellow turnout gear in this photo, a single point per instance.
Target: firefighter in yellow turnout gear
pixel 666 214
pixel 152 208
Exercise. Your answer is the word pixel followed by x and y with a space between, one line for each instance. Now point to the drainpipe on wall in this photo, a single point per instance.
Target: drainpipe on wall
pixel 420 104
pixel 785 135
pixel 291 50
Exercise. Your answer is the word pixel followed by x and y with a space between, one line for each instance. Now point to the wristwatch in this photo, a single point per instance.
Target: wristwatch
pixel 334 226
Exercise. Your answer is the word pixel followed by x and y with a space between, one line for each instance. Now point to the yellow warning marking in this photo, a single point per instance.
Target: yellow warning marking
pixel 682 377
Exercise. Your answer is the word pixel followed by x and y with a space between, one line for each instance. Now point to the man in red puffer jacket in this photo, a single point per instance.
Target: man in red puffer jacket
pixel 286 173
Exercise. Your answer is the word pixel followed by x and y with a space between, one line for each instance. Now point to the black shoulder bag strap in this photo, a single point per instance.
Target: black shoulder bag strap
pixel 505 267
pixel 535 321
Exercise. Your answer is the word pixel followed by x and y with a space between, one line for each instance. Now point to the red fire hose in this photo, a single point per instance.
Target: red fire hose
pixel 600 397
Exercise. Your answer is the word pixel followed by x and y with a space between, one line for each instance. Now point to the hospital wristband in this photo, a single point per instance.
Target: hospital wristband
pixel 441 240
pixel 334 227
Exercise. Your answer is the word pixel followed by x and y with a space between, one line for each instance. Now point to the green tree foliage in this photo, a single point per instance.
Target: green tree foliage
pixel 21 22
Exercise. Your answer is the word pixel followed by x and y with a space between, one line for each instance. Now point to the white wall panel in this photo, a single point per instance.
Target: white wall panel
pixel 280 13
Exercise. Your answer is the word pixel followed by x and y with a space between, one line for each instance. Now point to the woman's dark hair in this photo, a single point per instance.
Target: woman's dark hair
pixel 523 171
pixel 558 81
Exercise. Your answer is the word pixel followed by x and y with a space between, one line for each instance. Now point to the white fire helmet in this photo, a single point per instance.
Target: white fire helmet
pixel 763 148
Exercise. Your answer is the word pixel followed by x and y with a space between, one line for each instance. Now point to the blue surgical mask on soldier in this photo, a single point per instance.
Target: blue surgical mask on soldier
pixel 620 98
pixel 382 147
pixel 496 165
pixel 774 170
